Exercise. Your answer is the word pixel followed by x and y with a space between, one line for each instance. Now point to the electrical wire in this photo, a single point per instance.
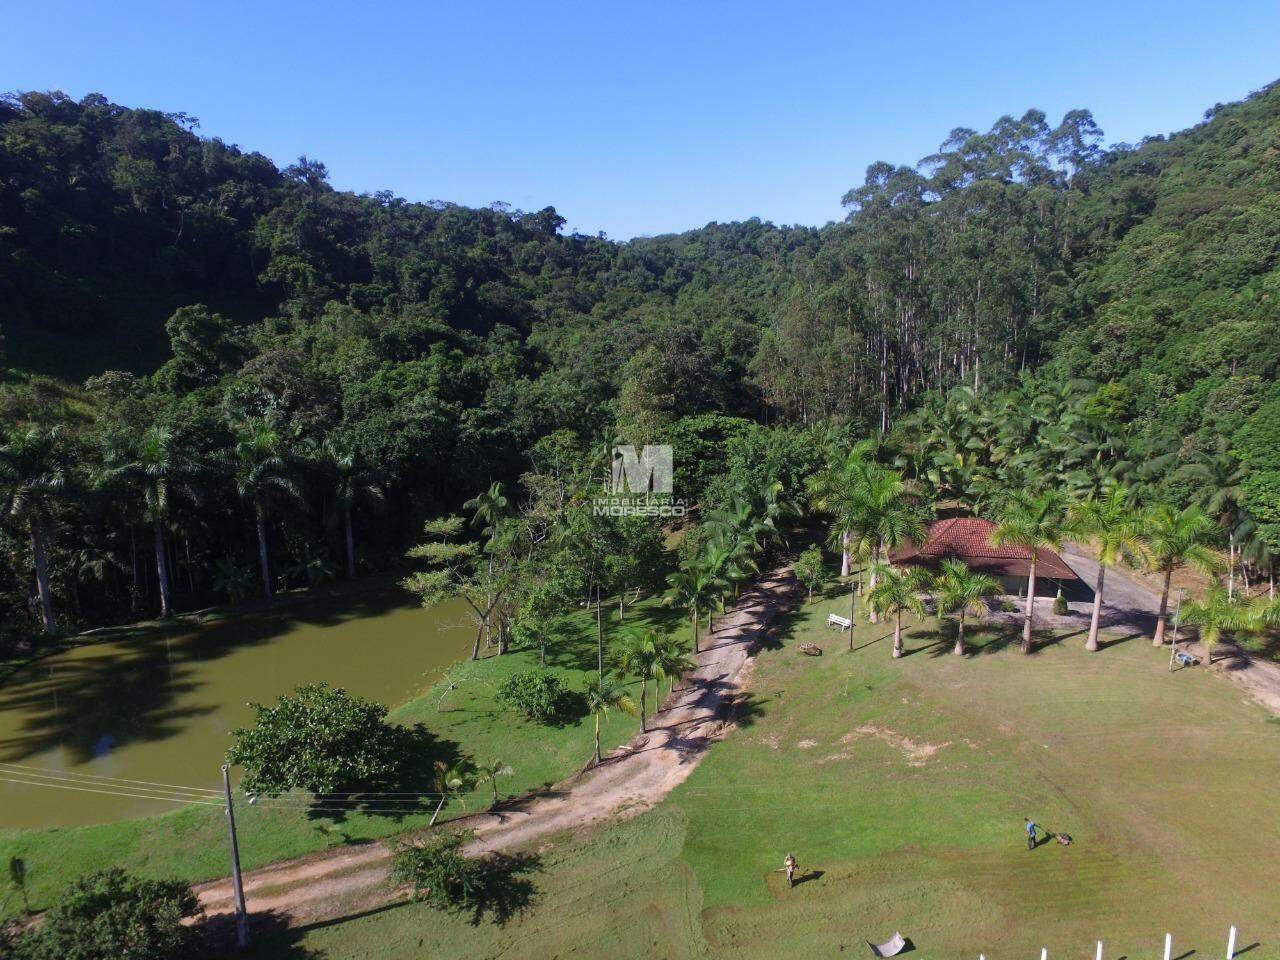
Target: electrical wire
pixel 26 775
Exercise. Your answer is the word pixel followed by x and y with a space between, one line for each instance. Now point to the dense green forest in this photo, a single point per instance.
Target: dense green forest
pixel 219 370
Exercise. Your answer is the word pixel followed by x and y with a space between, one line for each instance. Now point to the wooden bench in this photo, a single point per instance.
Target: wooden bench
pixel 835 620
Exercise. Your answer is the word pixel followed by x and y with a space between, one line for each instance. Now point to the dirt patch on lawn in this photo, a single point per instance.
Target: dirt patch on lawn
pixel 917 754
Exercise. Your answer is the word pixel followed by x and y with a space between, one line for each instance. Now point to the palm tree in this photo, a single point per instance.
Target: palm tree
pixel 489 772
pixel 352 485
pixel 162 469
pixel 34 478
pixel 1035 523
pixel 261 475
pixel 842 470
pixel 897 590
pixel 693 587
pixel 1218 613
pixel 1172 539
pixel 450 782
pixel 673 660
pixel 1113 526
pixel 960 590
pixel 639 656
pixel 1219 477
pixel 604 694
pixel 880 512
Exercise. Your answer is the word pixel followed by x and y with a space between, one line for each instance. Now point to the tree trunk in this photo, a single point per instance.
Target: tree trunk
pixel 959 649
pixel 695 629
pixel 1031 604
pixel 599 639
pixel 1163 615
pixel 897 635
pixel 845 564
pixel 853 600
pixel 439 807
pixel 871 584
pixel 622 606
pixel 260 515
pixel 162 567
pixel 644 701
pixel 42 576
pixel 1231 566
pixel 475 647
pixel 1092 643
pixel 597 738
pixel 351 544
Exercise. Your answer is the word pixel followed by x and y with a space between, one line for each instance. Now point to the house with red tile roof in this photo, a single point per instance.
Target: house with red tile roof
pixel 969 539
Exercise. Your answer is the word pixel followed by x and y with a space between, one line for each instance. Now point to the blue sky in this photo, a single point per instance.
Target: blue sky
pixel 639 118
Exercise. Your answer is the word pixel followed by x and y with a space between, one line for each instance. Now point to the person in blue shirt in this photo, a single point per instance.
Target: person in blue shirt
pixel 1031 834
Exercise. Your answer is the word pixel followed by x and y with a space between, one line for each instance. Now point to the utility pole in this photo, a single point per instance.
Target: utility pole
pixel 242 917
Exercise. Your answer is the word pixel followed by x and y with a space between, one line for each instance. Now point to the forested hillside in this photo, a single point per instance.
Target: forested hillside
pixel 1021 307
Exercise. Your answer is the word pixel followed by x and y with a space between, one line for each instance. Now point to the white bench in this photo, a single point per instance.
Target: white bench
pixel 835 620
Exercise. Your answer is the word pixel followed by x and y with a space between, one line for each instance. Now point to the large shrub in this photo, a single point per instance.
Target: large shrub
pixel 112 914
pixel 536 695
pixel 318 738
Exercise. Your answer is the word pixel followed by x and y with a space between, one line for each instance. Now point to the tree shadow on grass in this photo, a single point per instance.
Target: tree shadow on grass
pixel 507 887
pixel 741 708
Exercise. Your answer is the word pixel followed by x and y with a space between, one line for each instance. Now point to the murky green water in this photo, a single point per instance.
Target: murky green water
pixel 159 705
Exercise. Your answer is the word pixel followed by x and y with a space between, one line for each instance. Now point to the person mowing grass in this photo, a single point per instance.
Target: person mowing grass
pixel 1031 834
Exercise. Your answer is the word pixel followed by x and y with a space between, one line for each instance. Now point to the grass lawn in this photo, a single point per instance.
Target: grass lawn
pixel 191 843
pixel 901 788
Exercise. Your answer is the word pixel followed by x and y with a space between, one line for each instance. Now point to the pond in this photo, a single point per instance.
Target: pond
pixel 158 704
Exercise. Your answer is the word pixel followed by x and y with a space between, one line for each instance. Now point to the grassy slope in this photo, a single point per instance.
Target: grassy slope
pixel 1165 781
pixel 191 843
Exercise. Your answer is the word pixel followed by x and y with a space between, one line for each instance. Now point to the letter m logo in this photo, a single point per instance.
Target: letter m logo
pixel 650 472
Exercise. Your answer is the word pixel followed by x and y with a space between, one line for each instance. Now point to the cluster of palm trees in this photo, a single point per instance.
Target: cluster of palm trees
pixel 736 537
pixel 874 509
pixel 152 476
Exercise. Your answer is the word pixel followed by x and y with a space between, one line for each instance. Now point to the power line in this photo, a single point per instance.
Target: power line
pixel 93 779
pixel 136 794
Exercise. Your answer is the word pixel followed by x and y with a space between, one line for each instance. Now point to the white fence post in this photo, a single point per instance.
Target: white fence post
pixel 1231 944
pixel 1097 954
pixel 1044 953
pixel 1168 946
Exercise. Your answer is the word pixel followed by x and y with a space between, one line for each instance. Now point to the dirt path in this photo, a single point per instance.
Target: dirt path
pixel 633 778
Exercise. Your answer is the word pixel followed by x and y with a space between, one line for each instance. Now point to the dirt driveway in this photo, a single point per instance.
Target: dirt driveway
pixel 633 778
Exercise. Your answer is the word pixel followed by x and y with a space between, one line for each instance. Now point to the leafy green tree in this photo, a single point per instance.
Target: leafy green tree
pixel 1113 526
pixel 112 914
pixel 262 477
pixel 536 695
pixel 960 591
pixel 35 479
pixel 810 569
pixel 602 695
pixel 205 347
pixel 1035 523
pixel 318 738
pixel 1172 539
pixel 438 870
pixel 897 590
